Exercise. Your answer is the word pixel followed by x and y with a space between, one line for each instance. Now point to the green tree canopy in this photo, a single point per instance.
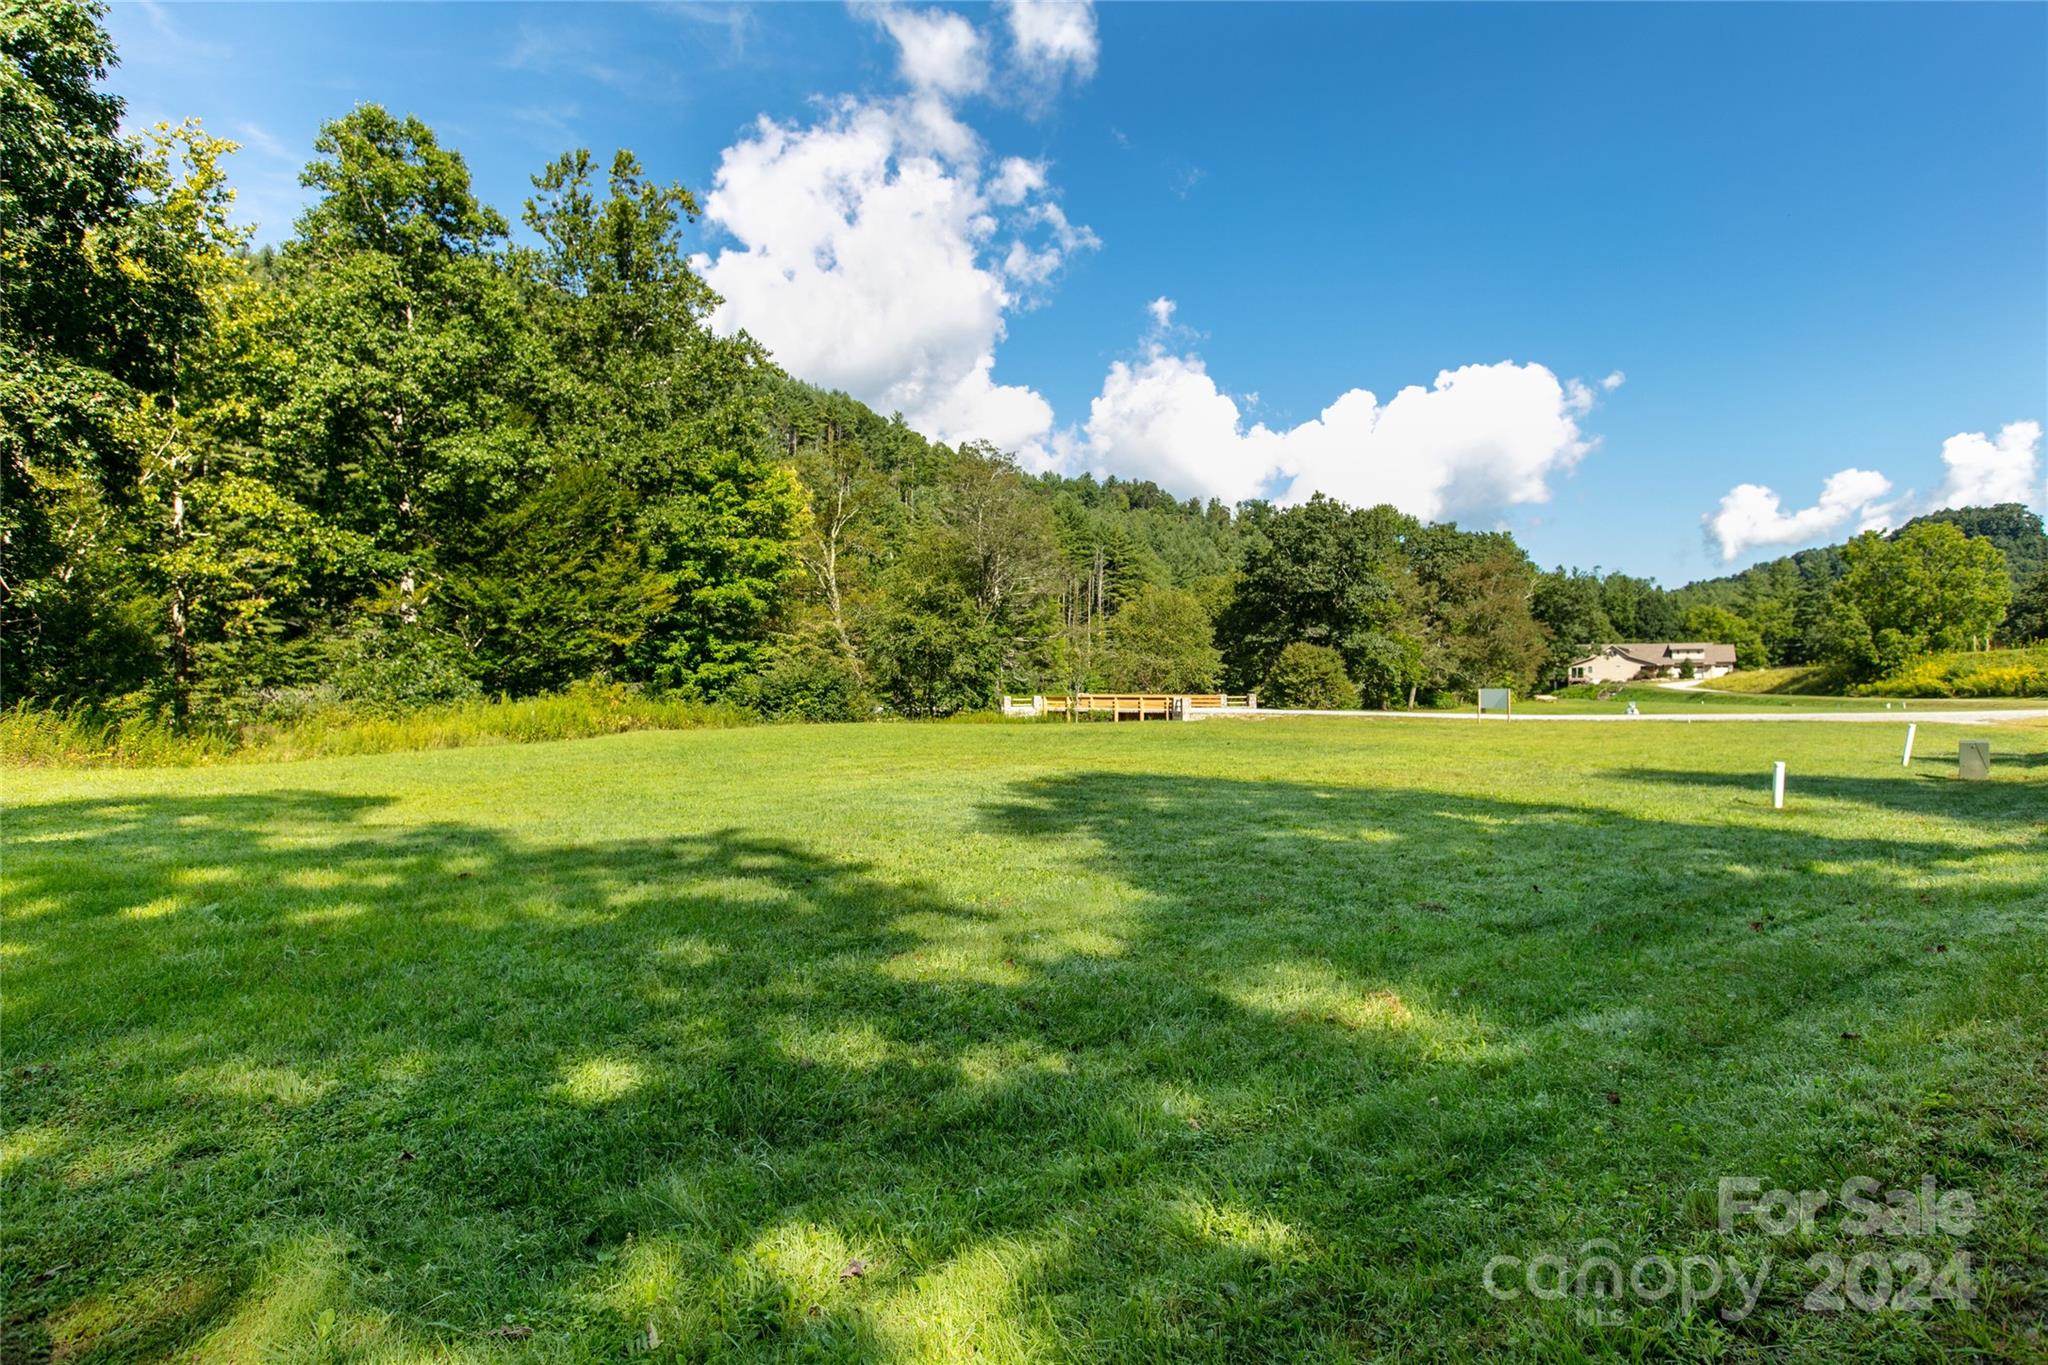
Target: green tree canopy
pixel 2028 619
pixel 1310 678
pixel 1571 606
pixel 1492 637
pixel 1718 625
pixel 1930 588
pixel 1320 573
pixel 1162 641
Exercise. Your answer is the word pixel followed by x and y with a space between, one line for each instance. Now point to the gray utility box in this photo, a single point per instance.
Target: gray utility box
pixel 1973 760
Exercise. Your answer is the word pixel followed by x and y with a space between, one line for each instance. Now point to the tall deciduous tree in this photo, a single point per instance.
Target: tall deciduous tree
pixel 393 417
pixel 1162 641
pixel 842 482
pixel 1718 625
pixel 1492 638
pixel 634 380
pixel 138 553
pixel 997 538
pixel 2028 618
pixel 1320 573
pixel 1638 608
pixel 88 288
pixel 1930 588
pixel 1571 606
pixel 931 652
pixel 1391 668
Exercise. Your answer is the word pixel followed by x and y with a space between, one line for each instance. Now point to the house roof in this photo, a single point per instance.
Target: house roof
pixel 1665 653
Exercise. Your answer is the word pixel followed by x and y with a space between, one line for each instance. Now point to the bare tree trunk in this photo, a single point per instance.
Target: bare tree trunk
pixel 835 600
pixel 179 654
pixel 823 560
pixel 181 643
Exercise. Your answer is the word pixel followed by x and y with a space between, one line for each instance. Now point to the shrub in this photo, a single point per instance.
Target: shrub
pixel 393 672
pixel 1989 673
pixel 1389 668
pixel 1309 678
pixel 807 680
pixel 934 654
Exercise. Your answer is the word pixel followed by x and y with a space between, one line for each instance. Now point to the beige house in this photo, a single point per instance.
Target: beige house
pixel 1628 663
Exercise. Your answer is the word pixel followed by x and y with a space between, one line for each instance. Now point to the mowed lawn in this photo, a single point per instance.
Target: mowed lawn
pixel 1231 1041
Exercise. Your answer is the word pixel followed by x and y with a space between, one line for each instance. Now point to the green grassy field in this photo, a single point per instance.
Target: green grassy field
pixel 1223 1041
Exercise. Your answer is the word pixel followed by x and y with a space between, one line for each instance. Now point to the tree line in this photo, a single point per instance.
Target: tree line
pixel 1956 579
pixel 407 457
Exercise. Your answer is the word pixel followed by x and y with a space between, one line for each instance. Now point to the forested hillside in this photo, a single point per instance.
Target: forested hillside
pixel 412 457
pixel 1795 606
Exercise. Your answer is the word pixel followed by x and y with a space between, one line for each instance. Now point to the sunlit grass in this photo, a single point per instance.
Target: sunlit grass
pixel 1226 1041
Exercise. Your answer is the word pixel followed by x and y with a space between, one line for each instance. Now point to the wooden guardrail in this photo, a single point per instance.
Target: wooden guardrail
pixel 1117 705
pixel 1130 705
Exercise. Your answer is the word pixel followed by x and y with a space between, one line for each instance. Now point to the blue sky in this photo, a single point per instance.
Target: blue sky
pixel 1695 279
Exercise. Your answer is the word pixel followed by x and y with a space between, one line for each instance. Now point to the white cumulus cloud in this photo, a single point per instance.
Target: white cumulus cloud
pixel 1164 419
pixel 1480 438
pixel 938 51
pixel 1979 471
pixel 877 250
pixel 1052 39
pixel 1983 471
pixel 1751 514
pixel 1017 180
pixel 865 258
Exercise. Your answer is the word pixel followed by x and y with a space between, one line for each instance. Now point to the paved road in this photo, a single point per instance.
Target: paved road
pixel 1975 717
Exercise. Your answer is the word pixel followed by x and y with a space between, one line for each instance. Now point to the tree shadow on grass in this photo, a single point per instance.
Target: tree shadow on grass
pixel 1929 788
pixel 1314 1050
pixel 2002 757
pixel 453 1050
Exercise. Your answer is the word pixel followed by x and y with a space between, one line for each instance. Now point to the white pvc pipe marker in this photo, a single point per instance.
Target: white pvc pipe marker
pixel 1907 761
pixel 1778 786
